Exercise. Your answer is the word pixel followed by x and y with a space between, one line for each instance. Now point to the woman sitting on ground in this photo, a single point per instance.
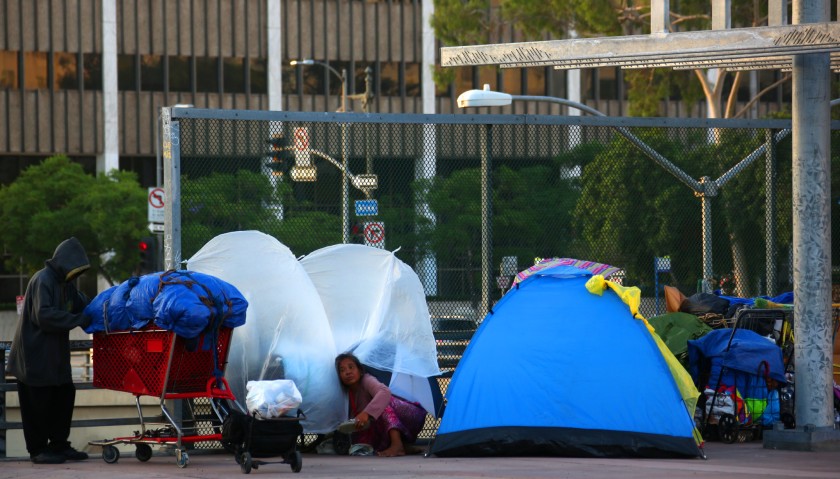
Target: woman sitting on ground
pixel 384 421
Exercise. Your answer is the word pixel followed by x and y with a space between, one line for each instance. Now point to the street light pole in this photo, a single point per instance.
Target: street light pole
pixel 345 187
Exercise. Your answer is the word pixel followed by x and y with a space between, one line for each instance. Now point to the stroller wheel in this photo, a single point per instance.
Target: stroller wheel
pixel 245 462
pixel 296 461
pixel 728 428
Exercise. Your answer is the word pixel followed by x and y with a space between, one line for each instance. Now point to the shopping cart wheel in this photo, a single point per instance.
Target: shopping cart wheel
pixel 245 462
pixel 728 428
pixel 296 461
pixel 143 452
pixel 110 454
pixel 182 458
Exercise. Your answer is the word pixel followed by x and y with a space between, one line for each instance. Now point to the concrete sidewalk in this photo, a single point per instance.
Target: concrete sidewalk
pixel 748 460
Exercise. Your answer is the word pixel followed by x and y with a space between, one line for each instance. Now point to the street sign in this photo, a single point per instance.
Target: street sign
pixel 156 201
pixel 367 208
pixel 300 144
pixel 156 227
pixel 374 234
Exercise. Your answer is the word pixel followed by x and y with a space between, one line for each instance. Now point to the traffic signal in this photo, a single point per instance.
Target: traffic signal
pixel 281 157
pixel 357 233
pixel 147 250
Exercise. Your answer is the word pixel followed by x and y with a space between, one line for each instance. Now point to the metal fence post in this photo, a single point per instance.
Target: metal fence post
pixel 770 213
pixel 486 217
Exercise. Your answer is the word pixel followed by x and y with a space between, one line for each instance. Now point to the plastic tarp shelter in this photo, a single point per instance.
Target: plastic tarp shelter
pixel 302 313
pixel 286 334
pixel 377 310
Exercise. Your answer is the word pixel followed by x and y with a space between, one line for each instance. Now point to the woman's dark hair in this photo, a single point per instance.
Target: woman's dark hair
pixel 341 357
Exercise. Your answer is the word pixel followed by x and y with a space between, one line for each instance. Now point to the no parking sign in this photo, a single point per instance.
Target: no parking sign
pixel 374 234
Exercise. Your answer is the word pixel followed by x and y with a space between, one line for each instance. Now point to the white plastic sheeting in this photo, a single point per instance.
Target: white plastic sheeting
pixel 377 309
pixel 286 333
pixel 336 299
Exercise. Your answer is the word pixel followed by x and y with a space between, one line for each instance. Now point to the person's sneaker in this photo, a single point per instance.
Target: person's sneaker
pixel 72 454
pixel 48 457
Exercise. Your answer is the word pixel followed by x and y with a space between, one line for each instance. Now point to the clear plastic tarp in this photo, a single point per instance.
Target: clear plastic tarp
pixel 303 313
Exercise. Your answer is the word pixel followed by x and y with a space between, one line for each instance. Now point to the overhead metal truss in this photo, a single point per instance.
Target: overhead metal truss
pixel 757 48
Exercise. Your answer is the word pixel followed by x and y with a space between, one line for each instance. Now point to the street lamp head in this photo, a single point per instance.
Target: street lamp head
pixel 302 62
pixel 485 97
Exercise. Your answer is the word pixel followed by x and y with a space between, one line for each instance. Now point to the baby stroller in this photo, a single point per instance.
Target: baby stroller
pixel 265 428
pixel 248 437
pixel 740 373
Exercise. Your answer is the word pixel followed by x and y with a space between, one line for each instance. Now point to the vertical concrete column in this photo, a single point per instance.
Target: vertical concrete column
pixel 812 228
pixel 109 158
pixel 426 166
pixel 275 54
pixel 428 59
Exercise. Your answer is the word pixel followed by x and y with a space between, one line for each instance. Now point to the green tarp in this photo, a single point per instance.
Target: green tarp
pixel 676 329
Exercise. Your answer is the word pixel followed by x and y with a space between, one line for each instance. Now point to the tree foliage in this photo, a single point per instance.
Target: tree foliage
pixel 521 199
pixel 56 199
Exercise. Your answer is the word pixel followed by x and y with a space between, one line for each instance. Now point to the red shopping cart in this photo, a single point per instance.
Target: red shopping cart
pixel 155 362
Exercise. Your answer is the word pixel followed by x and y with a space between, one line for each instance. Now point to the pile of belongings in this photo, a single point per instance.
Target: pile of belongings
pixel 714 308
pixel 185 302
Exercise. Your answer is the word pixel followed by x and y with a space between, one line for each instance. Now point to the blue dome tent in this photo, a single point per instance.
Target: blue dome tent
pixel 557 370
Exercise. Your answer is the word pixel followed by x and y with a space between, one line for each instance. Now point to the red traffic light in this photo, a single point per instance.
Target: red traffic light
pixel 143 246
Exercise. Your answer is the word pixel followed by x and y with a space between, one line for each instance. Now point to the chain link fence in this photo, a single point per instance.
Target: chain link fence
pixel 470 200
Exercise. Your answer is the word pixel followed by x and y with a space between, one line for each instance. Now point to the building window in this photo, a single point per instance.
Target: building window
pixel 35 70
pixel 463 80
pixel 66 72
pixel 259 76
pixel 512 81
pixel 179 73
pixel 126 72
pixel 536 81
pixel 8 69
pixel 608 83
pixel 151 73
pixel 412 79
pixel 234 75
pixel 389 80
pixel 207 74
pixel 93 71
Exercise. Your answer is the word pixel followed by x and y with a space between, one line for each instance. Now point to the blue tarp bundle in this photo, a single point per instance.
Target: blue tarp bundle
pixel 784 298
pixel 748 353
pixel 742 365
pixel 185 302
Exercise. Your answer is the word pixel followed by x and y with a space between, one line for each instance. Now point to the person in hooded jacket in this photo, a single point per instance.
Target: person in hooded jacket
pixel 40 354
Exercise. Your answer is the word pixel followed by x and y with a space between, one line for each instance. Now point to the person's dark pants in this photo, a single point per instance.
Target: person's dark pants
pixel 46 413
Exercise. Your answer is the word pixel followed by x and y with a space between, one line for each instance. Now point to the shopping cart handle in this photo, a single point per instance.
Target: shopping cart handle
pixel 223 392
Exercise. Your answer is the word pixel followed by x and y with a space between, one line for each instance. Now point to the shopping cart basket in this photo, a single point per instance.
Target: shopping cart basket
pixel 155 362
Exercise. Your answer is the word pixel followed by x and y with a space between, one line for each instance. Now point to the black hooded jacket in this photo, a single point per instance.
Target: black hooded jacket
pixel 40 354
